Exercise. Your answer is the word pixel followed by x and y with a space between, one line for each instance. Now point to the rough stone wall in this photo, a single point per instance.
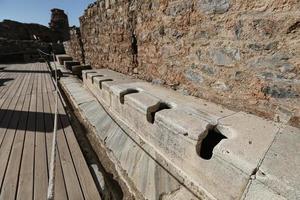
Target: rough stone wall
pixel 74 46
pixel 240 53
pixel 106 35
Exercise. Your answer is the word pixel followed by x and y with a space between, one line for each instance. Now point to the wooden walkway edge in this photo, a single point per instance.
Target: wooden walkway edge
pixel 26 129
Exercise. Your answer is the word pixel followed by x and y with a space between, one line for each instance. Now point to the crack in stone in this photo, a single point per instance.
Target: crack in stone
pixel 253 175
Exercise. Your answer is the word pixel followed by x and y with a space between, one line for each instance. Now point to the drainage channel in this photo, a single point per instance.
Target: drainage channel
pixel 108 188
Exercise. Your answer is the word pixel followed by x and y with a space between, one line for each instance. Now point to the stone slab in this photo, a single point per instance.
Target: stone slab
pixel 249 138
pixel 259 191
pixel 280 169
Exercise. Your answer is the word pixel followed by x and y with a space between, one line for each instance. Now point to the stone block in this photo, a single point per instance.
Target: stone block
pixel 279 169
pixel 107 4
pixel 86 73
pixel 214 6
pixel 63 57
pixel 258 191
pixel 102 80
pixel 68 64
pixel 183 123
pixel 77 69
pixel 249 138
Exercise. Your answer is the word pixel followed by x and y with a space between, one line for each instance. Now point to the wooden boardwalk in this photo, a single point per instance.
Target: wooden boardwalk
pixel 26 125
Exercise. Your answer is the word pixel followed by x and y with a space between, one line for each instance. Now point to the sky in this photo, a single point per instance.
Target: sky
pixel 38 11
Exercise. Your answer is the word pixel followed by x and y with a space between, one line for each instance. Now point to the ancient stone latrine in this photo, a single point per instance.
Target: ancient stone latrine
pixel 242 54
pixel 209 151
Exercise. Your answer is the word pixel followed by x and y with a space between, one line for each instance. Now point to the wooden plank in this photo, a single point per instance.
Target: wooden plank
pixel 69 171
pixel 9 105
pixel 12 174
pixel 50 85
pixel 41 167
pixel 60 188
pixel 5 101
pixel 4 96
pixel 14 76
pixel 5 76
pixel 9 134
pixel 9 87
pixel 26 145
pixel 26 177
pixel 87 183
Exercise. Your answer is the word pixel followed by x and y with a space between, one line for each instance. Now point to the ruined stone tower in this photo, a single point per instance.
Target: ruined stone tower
pixel 59 23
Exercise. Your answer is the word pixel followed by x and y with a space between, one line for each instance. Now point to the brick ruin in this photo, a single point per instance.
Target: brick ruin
pixel 19 41
pixel 242 54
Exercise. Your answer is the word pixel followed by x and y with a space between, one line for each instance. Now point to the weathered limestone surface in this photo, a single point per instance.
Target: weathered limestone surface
pixel 176 128
pixel 278 175
pixel 258 191
pixel 279 171
pixel 251 138
pixel 240 53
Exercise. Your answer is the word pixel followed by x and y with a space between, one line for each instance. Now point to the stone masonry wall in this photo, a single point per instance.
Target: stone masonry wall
pixel 241 53
pixel 106 36
pixel 74 46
